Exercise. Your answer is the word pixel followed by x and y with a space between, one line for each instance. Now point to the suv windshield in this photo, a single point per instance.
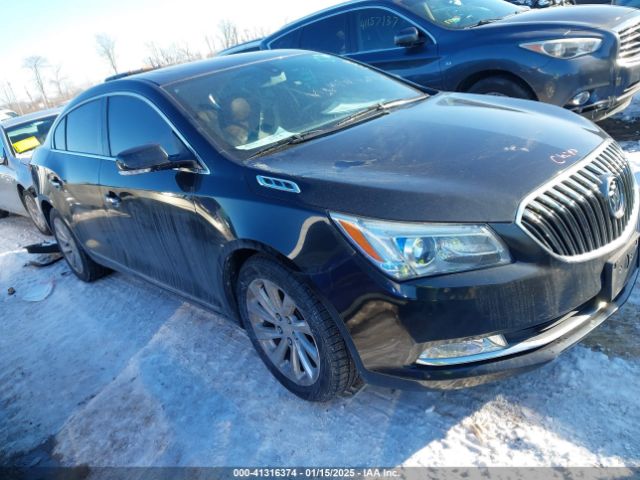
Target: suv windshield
pixel 458 14
pixel 26 137
pixel 250 107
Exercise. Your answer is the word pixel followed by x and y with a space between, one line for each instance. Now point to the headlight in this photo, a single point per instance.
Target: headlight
pixel 410 250
pixel 565 48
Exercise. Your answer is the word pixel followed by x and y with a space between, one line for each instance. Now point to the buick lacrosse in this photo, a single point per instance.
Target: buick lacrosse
pixel 361 228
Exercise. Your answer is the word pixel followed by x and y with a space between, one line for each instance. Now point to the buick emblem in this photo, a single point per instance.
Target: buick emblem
pixel 611 188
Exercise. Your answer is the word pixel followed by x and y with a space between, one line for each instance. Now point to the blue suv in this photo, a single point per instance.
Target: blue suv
pixel 584 58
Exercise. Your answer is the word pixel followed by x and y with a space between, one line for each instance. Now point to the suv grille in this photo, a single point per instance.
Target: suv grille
pixel 630 44
pixel 572 216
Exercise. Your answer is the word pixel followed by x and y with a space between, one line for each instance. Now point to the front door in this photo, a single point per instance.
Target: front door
pixel 152 215
pixel 374 31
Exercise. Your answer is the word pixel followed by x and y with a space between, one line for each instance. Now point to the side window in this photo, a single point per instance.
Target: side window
pixel 84 129
pixel 60 135
pixel 290 40
pixel 326 35
pixel 133 123
pixel 376 28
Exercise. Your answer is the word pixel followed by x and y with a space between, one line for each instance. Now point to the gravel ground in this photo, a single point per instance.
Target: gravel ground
pixel 120 373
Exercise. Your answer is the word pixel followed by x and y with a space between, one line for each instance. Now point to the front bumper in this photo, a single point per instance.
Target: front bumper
pixel 541 304
pixel 565 333
pixel 610 83
pixel 603 108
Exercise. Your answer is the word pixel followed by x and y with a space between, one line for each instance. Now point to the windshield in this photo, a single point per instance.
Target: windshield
pixel 250 107
pixel 27 136
pixel 458 14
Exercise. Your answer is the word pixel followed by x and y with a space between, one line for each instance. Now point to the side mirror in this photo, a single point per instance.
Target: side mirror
pixel 149 158
pixel 408 37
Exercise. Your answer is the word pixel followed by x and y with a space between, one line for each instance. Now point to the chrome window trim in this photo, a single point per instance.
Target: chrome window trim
pixel 618 242
pixel 355 9
pixel 204 169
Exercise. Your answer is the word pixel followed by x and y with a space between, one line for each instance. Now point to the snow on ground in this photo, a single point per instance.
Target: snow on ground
pixel 121 373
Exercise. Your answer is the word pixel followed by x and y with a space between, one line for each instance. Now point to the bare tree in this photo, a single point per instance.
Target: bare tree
pixel 210 41
pixel 9 97
pixel 37 64
pixel 59 81
pixel 228 34
pixel 106 47
pixel 32 102
pixel 173 54
pixel 254 33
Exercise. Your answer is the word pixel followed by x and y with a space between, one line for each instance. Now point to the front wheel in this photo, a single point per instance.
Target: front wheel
pixel 502 87
pixel 3 214
pixel 80 263
pixel 38 219
pixel 293 333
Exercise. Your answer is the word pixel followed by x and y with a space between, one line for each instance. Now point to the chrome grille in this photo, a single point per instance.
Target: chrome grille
pixel 571 216
pixel 630 44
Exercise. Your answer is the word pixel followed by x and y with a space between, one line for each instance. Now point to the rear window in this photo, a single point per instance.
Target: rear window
pixel 60 135
pixel 29 135
pixel 84 129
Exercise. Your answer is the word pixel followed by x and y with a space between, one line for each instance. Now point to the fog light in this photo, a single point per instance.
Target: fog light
pixel 580 99
pixel 465 351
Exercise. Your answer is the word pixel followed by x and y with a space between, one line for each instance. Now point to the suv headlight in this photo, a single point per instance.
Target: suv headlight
pixel 410 250
pixel 565 48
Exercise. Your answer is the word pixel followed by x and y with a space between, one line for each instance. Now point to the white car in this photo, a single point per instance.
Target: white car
pixel 4 114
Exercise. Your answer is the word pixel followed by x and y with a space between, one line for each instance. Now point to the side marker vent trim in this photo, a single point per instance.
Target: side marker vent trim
pixel 278 184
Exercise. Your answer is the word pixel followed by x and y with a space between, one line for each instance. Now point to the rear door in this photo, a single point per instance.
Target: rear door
pixel 152 215
pixel 74 164
pixel 373 33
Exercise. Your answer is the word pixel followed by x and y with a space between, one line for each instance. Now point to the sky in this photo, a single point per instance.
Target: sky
pixel 63 31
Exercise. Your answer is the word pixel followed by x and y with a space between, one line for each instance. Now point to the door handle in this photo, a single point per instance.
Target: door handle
pixel 112 199
pixel 56 182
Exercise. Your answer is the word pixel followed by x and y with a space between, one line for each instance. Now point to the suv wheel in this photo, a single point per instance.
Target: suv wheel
pixel 38 219
pixel 293 333
pixel 3 214
pixel 84 267
pixel 501 86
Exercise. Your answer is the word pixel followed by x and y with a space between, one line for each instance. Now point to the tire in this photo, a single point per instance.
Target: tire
pixel 501 86
pixel 79 262
pixel 36 216
pixel 3 214
pixel 276 307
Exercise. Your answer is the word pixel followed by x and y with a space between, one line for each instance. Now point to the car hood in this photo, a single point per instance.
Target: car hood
pixel 604 16
pixel 452 157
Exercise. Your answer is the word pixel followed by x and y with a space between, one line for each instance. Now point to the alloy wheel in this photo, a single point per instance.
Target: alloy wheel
pixel 68 245
pixel 32 209
pixel 282 332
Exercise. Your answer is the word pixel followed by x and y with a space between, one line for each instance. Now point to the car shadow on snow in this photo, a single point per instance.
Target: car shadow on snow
pixel 197 394
pixel 121 373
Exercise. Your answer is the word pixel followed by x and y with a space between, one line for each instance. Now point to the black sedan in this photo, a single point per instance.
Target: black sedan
pixel 358 226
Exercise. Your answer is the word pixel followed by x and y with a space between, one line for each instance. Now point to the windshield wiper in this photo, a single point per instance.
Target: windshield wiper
pixel 285 142
pixel 487 21
pixel 367 113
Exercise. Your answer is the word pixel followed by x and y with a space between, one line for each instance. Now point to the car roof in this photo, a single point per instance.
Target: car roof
pixel 30 117
pixel 176 73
